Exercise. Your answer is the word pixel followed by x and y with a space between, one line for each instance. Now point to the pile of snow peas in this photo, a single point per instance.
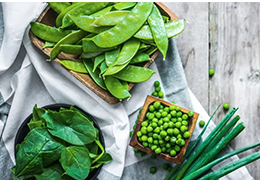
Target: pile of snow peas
pixel 113 40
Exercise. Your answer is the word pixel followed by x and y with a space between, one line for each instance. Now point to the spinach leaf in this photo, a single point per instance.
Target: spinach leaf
pixel 34 124
pixel 37 113
pixel 77 110
pixel 38 150
pixel 76 161
pixel 70 126
pixel 105 158
pixel 65 176
pixel 52 172
pixel 26 177
pixel 92 148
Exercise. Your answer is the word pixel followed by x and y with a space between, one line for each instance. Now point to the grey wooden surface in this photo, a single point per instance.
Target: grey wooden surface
pixel 225 37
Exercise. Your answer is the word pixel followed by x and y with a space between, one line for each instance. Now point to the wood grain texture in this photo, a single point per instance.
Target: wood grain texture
pixel 193 46
pixel 235 55
pixel 136 144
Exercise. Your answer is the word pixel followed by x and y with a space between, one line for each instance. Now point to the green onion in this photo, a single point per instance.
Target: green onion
pixel 173 173
pixel 215 141
pixel 194 175
pixel 231 167
pixel 218 147
pixel 205 143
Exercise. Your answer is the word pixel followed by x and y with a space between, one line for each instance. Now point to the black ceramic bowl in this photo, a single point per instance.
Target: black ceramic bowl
pixel 24 130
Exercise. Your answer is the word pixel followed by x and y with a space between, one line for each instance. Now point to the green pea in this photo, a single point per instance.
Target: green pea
pixel 174 120
pixel 151 108
pixel 226 106
pixel 177 108
pixel 58 7
pixel 182 143
pixel 150 134
pixel 173 140
pixel 179 114
pixel 110 18
pixel 177 148
pixel 173 152
pixel 150 140
pixel 173 113
pixel 191 113
pixel 179 119
pixel 169 116
pixel 163 133
pixel 155 94
pixel 48 33
pixel 158 89
pixel 74 66
pixel 211 72
pixel 145 144
pixel 153 147
pixel 183 129
pixel 154 125
pixel 157 104
pixel 170 131
pixel 171 124
pixel 186 134
pixel 153 169
pixel 161 141
pixel 158 151
pixel 145 123
pixel 131 133
pixel 144 130
pixel 163 149
pixel 124 5
pixel 158 30
pixel 156 142
pixel 108 81
pixel 150 116
pixel 160 122
pixel 144 138
pixel 139 134
pixel 176 131
pixel 147 114
pixel 156 83
pixel 164 114
pixel 160 94
pixel 69 39
pixel 149 129
pixel 165 125
pixel 121 32
pixel 178 124
pixel 172 108
pixel 161 106
pixel 185 116
pixel 158 115
pixel 134 126
pixel 167 138
pixel 185 123
pixel 173 28
pixel 166 119
pixel 179 136
pixel 86 8
pixel 202 123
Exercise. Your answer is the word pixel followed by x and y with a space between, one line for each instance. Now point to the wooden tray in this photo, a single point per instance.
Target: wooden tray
pixel 136 144
pixel 48 17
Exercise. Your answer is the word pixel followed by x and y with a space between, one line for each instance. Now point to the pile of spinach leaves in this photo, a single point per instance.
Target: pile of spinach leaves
pixel 60 145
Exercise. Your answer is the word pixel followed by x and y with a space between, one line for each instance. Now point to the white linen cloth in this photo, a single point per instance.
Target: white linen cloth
pixel 26 79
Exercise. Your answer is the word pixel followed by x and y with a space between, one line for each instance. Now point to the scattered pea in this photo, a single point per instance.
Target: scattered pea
pixel 160 94
pixel 191 113
pixel 158 89
pixel 156 83
pixel 211 72
pixel 202 123
pixel 157 104
pixel 153 170
pixel 131 133
pixel 155 93
pixel 226 106
pixel 186 134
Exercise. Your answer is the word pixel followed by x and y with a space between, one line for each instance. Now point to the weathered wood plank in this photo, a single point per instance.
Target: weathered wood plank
pixel 193 46
pixel 235 56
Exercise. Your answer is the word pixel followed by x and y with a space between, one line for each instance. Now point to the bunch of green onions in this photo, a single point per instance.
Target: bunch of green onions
pixel 197 162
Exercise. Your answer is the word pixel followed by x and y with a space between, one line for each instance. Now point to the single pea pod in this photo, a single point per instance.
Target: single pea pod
pixel 134 74
pixel 48 33
pixel 143 47
pixel 84 23
pixel 102 11
pixel 86 8
pixel 89 55
pixel 94 75
pixel 125 84
pixel 103 68
pixel 111 56
pixel 142 57
pixel 115 87
pixel 48 44
pixel 128 51
pixel 87 36
pixel 114 69
pixel 64 12
pixel 110 18
pixel 173 28
pixel 156 24
pixel 98 60
pixel 121 32
pixel 71 49
pixel 69 39
pixel 73 66
pixel 124 5
pixel 58 7
pixel 90 46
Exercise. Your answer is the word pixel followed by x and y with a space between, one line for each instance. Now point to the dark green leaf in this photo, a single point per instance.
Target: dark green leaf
pixel 38 150
pixel 37 113
pixel 52 172
pixel 70 126
pixel 76 161
pixel 34 124
pixel 27 177
pixel 65 176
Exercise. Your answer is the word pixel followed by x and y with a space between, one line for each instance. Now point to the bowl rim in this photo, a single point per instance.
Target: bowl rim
pixel 55 106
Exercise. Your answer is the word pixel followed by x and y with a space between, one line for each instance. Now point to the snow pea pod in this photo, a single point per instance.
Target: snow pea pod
pixel 48 44
pixel 88 55
pixel 102 11
pixel 64 12
pixel 115 87
pixel 84 23
pixel 71 49
pixel 156 24
pixel 111 56
pixel 128 51
pixel 125 84
pixel 103 68
pixel 98 60
pixel 74 66
pixel 48 33
pixel 151 50
pixel 110 18
pixel 124 5
pixel 134 74
pixel 114 69
pixel 69 39
pixel 173 28
pixel 58 7
pixel 94 75
pixel 121 32
pixel 86 8
pixel 142 57
pixel 90 46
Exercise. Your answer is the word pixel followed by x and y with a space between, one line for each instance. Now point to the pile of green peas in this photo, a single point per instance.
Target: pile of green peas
pixel 165 129
pixel 157 92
